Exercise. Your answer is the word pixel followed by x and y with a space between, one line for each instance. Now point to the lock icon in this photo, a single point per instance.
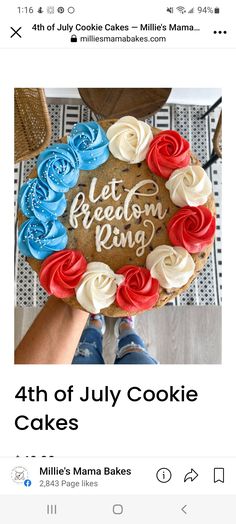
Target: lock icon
pixel 73 38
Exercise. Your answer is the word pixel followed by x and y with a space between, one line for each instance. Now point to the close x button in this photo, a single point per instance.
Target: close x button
pixel 16 32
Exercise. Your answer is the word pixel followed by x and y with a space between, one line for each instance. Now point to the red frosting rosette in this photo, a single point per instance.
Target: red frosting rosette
pixel 192 227
pixel 168 151
pixel 138 291
pixel 61 272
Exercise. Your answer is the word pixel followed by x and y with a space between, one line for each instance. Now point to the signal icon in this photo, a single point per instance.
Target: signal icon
pixel 191 10
pixel 181 9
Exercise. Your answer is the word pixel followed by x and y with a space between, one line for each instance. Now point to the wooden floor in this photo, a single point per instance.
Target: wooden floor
pixel 173 335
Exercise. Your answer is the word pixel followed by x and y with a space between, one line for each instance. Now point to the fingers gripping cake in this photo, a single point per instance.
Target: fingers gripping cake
pixel 118 217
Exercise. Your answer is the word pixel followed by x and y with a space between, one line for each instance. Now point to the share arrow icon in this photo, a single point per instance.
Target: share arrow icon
pixel 191 475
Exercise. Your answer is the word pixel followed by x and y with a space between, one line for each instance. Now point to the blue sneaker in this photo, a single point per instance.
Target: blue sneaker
pixel 99 317
pixel 127 320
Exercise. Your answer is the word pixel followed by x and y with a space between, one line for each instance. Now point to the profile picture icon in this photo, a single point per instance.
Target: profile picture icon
pixel 19 474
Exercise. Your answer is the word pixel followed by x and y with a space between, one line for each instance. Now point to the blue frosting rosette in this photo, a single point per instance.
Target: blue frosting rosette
pixel 40 239
pixel 91 144
pixel 58 167
pixel 39 200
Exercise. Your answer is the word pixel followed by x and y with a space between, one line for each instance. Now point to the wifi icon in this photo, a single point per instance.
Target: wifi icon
pixel 181 9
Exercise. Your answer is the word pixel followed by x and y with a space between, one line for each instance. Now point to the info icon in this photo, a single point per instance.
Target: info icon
pixel 164 475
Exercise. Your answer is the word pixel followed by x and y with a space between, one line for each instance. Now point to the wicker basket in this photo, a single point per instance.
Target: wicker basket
pixel 32 123
pixel 217 139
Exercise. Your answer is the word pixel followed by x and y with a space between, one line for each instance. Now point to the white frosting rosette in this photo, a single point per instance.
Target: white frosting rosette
pixel 129 139
pixel 172 266
pixel 189 186
pixel 97 288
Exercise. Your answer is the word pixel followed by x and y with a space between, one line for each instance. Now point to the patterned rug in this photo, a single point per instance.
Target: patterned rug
pixel 206 289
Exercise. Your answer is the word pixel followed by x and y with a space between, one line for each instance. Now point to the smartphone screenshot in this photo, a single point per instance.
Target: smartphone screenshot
pixel 117 262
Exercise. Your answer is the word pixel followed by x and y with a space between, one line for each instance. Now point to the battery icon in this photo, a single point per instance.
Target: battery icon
pixel 217 10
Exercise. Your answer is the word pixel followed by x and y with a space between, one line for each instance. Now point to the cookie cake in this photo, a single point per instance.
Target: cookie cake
pixel 117 217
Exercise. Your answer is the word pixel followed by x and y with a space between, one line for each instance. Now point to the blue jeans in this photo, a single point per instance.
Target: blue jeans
pixel 131 349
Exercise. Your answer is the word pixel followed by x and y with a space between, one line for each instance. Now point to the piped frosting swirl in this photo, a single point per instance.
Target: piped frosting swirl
pixel 192 227
pixel 167 152
pixel 61 272
pixel 39 200
pixel 97 288
pixel 40 239
pixel 138 291
pixel 58 167
pixel 90 143
pixel 129 139
pixel 189 186
pixel 172 266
